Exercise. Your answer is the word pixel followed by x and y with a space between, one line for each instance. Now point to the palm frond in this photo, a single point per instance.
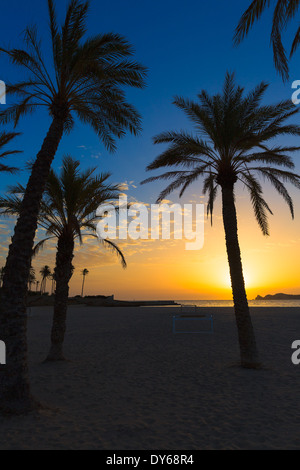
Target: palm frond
pixel 210 187
pixel 113 247
pixel 233 142
pixel 259 204
pixel 86 78
pixel 281 189
pixel 252 14
pixel 40 246
pixel 284 12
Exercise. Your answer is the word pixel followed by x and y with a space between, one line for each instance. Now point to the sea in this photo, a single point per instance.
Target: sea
pixel 252 303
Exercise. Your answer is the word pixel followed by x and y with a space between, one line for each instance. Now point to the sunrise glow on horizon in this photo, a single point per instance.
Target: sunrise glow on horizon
pixel 163 269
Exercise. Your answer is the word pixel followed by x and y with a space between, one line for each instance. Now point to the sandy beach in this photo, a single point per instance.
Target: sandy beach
pixel 132 384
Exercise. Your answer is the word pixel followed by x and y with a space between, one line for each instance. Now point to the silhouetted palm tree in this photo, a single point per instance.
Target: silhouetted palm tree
pixel 84 273
pixel 86 80
pixel 68 213
pixel 52 277
pixel 6 138
pixel 284 11
pixel 31 278
pixel 46 274
pixel 232 146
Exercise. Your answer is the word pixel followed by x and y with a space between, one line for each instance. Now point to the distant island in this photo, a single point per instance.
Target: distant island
pixel 279 297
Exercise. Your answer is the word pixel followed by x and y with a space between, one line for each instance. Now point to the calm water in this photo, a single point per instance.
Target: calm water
pixel 252 303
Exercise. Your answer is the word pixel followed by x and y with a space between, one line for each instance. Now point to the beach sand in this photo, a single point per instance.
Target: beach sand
pixel 132 384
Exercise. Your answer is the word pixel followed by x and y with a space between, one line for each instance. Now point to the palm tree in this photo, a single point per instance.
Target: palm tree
pixel 232 146
pixel 46 274
pixel 52 277
pixel 85 80
pixel 5 138
pixel 37 286
pixel 84 273
pixel 284 12
pixel 68 214
pixel 31 278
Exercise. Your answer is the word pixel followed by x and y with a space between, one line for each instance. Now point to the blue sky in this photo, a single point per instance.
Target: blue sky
pixel 187 46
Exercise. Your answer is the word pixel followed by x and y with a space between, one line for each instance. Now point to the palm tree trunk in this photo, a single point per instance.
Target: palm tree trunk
pixel 63 273
pixel 15 393
pixel 247 342
pixel 82 285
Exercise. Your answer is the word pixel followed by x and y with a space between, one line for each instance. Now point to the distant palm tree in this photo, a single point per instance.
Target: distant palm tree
pixel 52 277
pixel 83 78
pixel 284 11
pixel 5 138
pixel 84 273
pixel 31 278
pixel 68 213
pixel 46 274
pixel 37 286
pixel 232 146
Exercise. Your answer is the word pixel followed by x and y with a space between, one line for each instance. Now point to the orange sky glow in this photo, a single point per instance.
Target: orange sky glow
pixel 164 269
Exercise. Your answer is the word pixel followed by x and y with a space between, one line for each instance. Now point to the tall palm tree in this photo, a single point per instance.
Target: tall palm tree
pixel 85 80
pixel 232 145
pixel 284 11
pixel 46 274
pixel 84 273
pixel 6 138
pixel 68 214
